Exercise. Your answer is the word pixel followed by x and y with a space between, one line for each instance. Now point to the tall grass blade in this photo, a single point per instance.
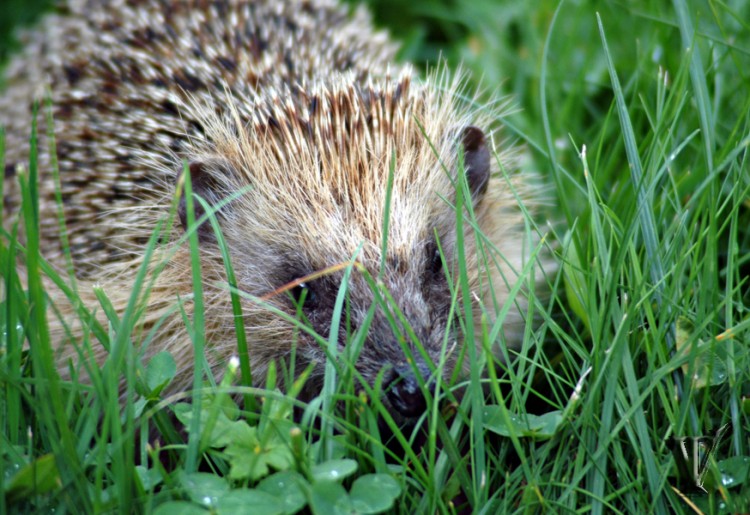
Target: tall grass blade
pixel 649 233
pixel 197 328
pixel 48 392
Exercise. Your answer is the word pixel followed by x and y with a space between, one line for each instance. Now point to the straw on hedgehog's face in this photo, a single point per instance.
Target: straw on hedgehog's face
pixel 316 192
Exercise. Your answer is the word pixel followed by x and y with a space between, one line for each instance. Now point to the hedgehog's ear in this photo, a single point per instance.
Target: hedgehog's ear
pixel 206 186
pixel 477 163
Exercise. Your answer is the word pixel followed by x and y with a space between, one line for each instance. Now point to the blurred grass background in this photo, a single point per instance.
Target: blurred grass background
pixel 15 14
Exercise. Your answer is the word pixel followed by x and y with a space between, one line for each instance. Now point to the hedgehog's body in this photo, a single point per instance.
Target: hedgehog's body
pixel 293 105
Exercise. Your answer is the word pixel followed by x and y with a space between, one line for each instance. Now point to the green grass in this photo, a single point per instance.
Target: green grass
pixel 15 14
pixel 636 116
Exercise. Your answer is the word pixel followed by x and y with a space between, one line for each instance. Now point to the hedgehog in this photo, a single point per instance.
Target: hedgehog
pixel 302 138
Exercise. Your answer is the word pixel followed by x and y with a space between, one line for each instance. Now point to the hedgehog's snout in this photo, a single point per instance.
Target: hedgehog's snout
pixel 403 389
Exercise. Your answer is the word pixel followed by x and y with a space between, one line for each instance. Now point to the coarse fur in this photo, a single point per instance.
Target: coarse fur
pixel 294 112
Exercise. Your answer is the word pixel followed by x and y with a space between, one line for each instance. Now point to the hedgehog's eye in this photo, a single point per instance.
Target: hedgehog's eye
pixel 303 295
pixel 435 266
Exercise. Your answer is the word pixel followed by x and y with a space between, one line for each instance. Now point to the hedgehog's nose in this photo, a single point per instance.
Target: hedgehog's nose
pixel 403 390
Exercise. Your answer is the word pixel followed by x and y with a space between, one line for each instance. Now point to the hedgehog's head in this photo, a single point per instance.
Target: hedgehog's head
pixel 363 173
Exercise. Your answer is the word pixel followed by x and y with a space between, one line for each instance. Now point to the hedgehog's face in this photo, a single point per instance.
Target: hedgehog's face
pixel 309 211
pixel 402 300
